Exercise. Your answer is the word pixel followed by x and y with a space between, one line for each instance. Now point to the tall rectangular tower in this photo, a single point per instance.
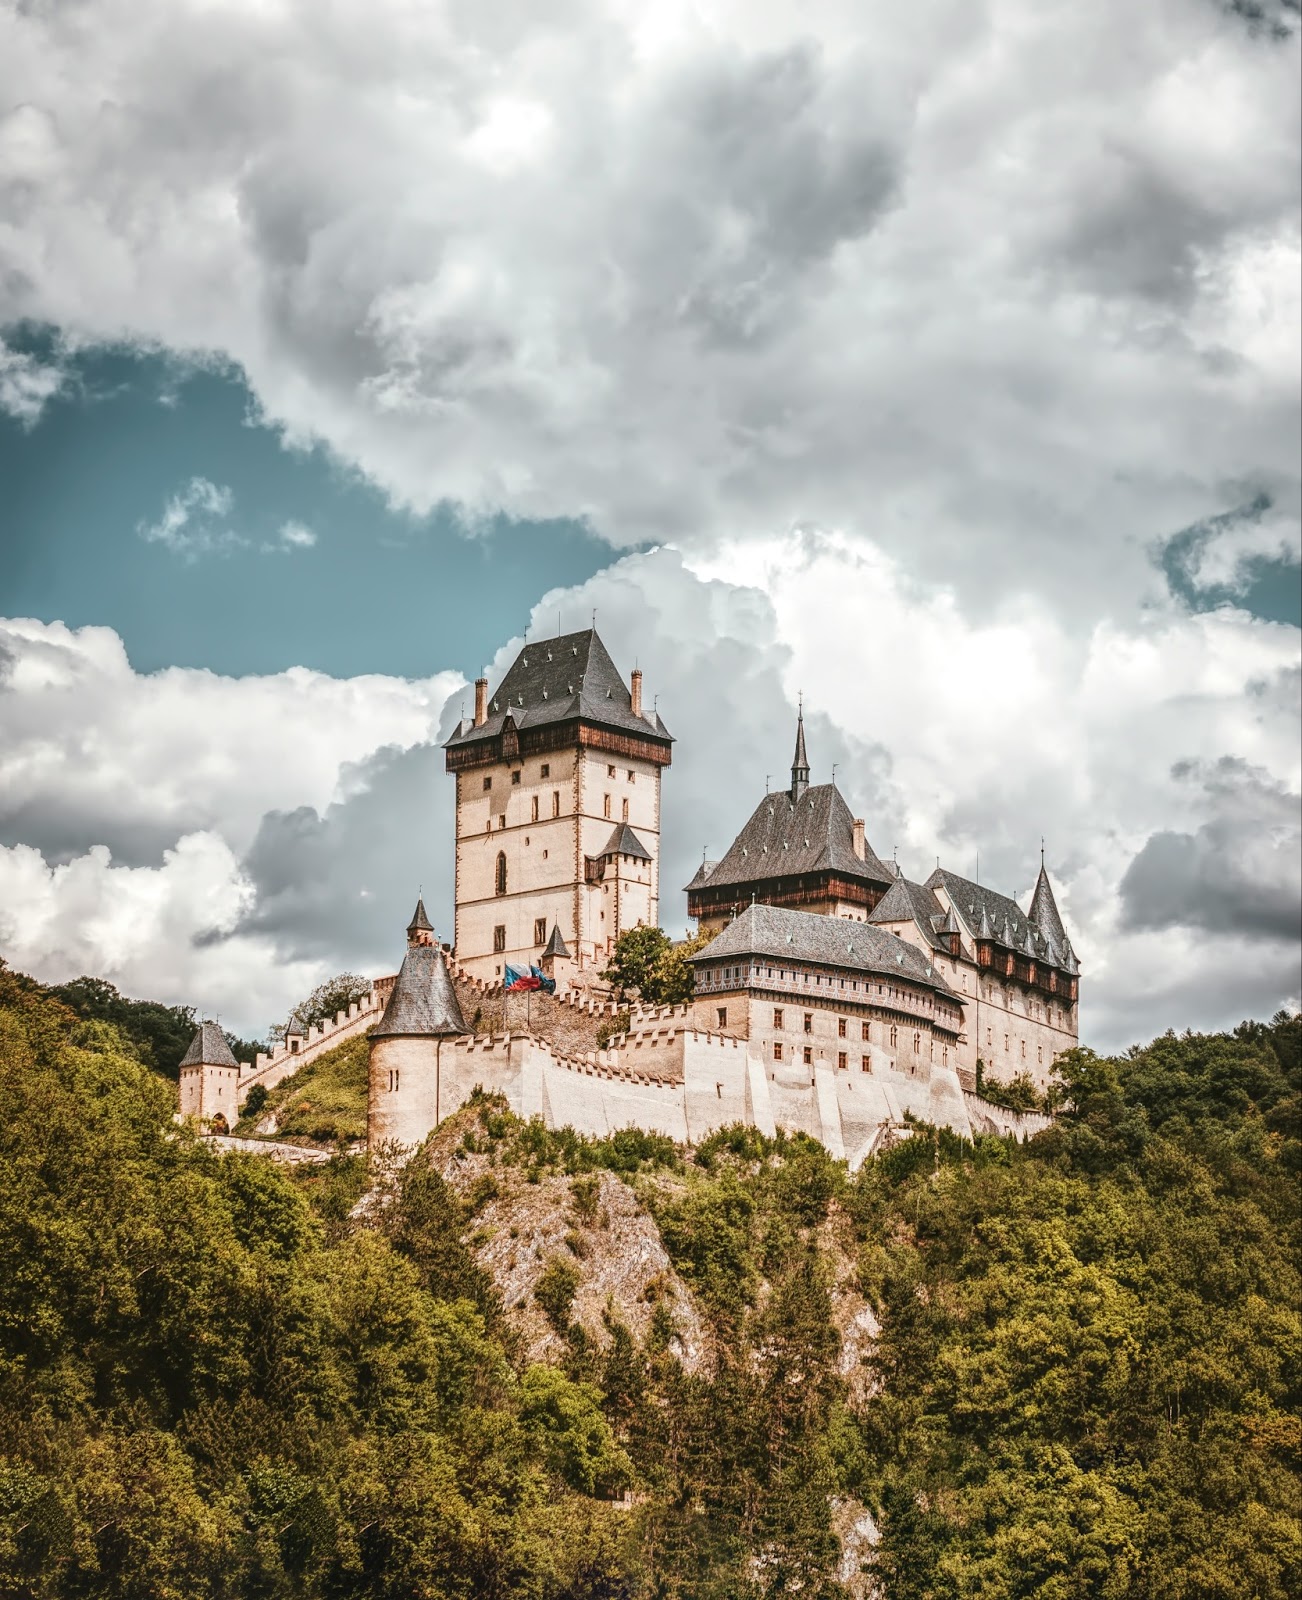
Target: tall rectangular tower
pixel 558 809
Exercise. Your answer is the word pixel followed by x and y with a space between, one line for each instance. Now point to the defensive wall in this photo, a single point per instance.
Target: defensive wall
pixel 298 1049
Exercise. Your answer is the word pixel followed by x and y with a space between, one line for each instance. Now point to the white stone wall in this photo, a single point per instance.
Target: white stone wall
pixel 206 1092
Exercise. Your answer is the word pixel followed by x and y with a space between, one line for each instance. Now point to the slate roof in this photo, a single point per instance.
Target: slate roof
pixel 420 922
pixel 815 834
pixel 701 875
pixel 1044 910
pixel 208 1048
pixel 556 944
pixel 825 941
pixel 624 842
pixel 911 902
pixel 557 680
pixel 987 915
pixel 423 1001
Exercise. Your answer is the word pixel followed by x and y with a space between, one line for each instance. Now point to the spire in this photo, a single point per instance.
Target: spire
pixel 800 763
pixel 985 931
pixel 1044 909
pixel 420 924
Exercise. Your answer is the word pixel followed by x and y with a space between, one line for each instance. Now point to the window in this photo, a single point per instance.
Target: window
pixel 394 1079
pixel 625 811
pixel 944 1055
pixel 841 1059
pixel 917 1044
pixel 499 882
pixel 606 804
pixel 556 802
pixel 809 1022
pixel 809 1056
pixel 488 783
pixel 723 1016
pixel 501 821
pixel 895 1036
pixel 777 1049
pixel 610 772
pixel 1039 1054
pixel 499 937
pixel 1005 1043
pixel 515 777
pixel 777 1016
pixel 989 1037
pixel 632 776
pixel 867 1064
pixel 866 1034
pixel 534 809
pixel 545 771
pixel 1023 1049
pixel 540 930
pixel 841 1026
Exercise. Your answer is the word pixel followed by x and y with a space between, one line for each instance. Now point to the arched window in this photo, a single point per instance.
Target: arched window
pixel 501 872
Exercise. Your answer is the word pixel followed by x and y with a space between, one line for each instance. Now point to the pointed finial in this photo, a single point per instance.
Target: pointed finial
pixel 1041 849
pixel 835 765
pixel 594 616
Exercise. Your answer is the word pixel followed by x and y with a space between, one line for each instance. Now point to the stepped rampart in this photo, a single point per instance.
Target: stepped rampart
pixel 297 1050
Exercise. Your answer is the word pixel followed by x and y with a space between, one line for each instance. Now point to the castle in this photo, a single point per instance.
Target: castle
pixel 835 997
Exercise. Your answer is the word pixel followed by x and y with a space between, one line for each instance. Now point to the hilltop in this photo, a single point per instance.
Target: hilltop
pixel 532 1364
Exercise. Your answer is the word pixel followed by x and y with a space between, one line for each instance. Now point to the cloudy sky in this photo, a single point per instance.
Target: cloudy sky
pixel 936 358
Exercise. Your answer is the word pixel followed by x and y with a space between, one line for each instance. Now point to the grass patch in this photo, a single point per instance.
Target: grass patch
pixel 324 1101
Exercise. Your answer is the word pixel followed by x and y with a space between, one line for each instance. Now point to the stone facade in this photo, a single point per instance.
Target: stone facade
pixel 557 811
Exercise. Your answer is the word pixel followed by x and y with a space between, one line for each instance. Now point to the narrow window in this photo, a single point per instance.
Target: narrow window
pixel 1039 1054
pixel 499 885
pixel 809 1022
pixel 488 783
pixel 606 804
pixel 1023 1049
pixel 499 937
pixel 556 802
pixel 1005 1043
pixel 777 1016
pixel 841 1026
pixel 540 930
pixel 545 771
pixel 944 1055
pixel 723 1016
pixel 895 1037
pixel 625 810
pixel 533 808
pixel 515 777
pixel 865 1031
pixel 632 776
pixel 777 1049
pixel 917 1044
pixel 809 1056
pixel 610 772
pixel 841 1059
pixel 501 821
pixel 867 1064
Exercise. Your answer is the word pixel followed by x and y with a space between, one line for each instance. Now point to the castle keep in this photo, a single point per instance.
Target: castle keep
pixel 836 996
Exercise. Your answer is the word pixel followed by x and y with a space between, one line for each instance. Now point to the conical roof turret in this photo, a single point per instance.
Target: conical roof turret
pixel 423 1002
pixel 420 922
pixel 800 761
pixel 1044 909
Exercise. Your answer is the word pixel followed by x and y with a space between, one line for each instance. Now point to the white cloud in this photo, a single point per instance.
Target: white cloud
pixel 192 520
pixel 1009 290
pixel 296 536
pixel 320 805
pixel 26 384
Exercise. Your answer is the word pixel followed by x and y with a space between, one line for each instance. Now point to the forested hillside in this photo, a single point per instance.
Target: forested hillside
pixel 222 1378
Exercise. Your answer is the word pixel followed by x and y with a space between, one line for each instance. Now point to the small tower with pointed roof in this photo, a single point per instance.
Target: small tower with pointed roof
pixel 210 1080
pixel 404 1079
pixel 800 761
pixel 557 810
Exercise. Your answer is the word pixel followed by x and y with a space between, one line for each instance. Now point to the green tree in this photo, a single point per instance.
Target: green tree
pixel 328 998
pixel 647 963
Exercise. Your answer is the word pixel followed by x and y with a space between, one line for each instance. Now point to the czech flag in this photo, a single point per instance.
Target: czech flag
pixel 521 978
pixel 547 985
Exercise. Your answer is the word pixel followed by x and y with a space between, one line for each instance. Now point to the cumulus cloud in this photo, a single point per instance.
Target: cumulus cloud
pixel 296 536
pixel 193 520
pixel 952 738
pixel 1006 289
pixel 26 384
pixel 1240 872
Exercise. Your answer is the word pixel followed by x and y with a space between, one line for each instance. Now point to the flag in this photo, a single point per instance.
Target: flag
pixel 520 978
pixel 547 985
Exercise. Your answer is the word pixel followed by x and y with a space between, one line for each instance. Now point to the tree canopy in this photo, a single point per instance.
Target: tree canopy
pixel 648 962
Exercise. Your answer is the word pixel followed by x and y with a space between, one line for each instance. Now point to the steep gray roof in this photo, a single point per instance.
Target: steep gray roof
pixel 836 942
pixel 556 680
pixel 1044 910
pixel 911 902
pixel 208 1048
pixel 987 915
pixel 420 922
pixel 423 1000
pixel 556 944
pixel 624 842
pixel 815 834
pixel 700 876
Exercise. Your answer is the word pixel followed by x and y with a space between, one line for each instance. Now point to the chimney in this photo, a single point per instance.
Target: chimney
pixel 481 702
pixel 858 838
pixel 636 683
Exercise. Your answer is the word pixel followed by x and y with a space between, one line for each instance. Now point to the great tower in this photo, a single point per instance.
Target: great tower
pixel 558 809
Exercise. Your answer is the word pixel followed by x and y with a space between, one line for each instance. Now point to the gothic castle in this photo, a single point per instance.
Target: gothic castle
pixel 836 995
